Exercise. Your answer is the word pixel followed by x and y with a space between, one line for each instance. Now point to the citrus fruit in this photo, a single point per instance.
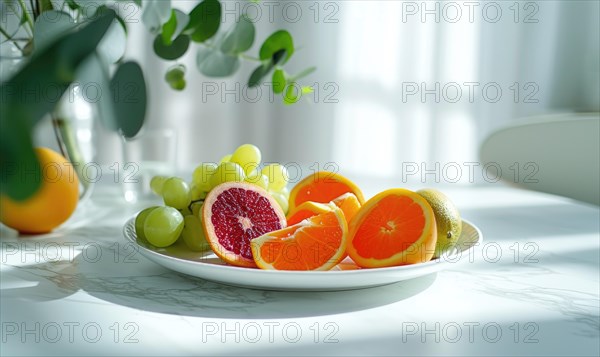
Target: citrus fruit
pixel 52 204
pixel 233 214
pixel 316 243
pixel 447 219
pixel 322 187
pixel 306 210
pixel 347 202
pixel 396 227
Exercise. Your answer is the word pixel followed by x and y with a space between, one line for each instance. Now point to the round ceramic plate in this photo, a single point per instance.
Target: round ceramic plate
pixel 345 276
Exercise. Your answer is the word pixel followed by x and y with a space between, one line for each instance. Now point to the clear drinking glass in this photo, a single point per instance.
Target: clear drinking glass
pixel 152 153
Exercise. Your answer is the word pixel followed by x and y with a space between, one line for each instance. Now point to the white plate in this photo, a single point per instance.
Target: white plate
pixel 346 276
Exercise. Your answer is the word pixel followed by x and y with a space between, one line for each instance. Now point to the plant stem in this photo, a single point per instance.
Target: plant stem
pixel 2 31
pixel 26 14
pixel 250 58
pixel 14 41
pixel 33 9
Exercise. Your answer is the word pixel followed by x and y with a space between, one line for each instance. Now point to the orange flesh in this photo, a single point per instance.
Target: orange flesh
pixel 300 216
pixel 322 190
pixel 305 246
pixel 391 227
pixel 349 204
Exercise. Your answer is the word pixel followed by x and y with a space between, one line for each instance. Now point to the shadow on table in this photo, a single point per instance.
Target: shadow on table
pixel 173 293
pixel 140 284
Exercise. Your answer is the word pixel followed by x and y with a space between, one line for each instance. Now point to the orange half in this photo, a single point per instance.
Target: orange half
pixel 316 243
pixel 322 187
pixel 396 227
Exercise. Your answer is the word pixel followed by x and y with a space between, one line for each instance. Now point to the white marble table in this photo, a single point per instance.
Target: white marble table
pixel 532 288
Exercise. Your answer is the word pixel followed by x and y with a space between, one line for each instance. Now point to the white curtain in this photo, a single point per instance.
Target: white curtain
pixel 397 82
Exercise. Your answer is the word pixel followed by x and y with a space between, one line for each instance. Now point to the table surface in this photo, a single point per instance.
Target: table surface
pixel 531 288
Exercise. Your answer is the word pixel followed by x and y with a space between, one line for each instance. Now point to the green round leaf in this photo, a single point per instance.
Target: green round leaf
pixel 261 71
pixel 178 85
pixel 292 93
pixel 279 81
pixel 175 77
pixel 279 40
pixel 256 76
pixel 113 45
pixel 174 50
pixel 129 95
pixel 49 26
pixel 205 19
pixel 155 14
pixel 94 83
pixel 175 73
pixel 241 37
pixel 214 63
pixel 173 28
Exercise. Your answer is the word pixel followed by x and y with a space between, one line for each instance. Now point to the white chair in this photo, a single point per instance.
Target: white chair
pixel 558 154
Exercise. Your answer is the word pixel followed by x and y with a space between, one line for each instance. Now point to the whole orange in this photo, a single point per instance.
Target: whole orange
pixel 52 204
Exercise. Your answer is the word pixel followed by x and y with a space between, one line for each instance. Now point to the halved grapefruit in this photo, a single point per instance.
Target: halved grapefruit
pixel 233 214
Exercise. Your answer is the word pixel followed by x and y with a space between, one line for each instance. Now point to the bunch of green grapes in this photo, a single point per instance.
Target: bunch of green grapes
pixel 243 165
pixel 181 216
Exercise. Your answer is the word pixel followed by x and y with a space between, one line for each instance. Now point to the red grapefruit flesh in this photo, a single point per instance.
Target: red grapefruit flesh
pixel 234 213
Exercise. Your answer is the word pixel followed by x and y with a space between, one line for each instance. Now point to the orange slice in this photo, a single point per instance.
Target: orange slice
pixel 347 202
pixel 396 227
pixel 316 243
pixel 322 187
pixel 306 210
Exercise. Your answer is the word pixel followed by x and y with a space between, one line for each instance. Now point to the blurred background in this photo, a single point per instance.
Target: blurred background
pixel 397 82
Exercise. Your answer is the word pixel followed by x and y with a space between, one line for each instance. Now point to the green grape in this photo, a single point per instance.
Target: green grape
pixel 139 222
pixel 197 193
pixel 184 212
pixel 281 200
pixel 226 172
pixel 176 193
pixel 258 179
pixel 202 174
pixel 193 234
pixel 197 209
pixel 163 226
pixel 225 158
pixel 286 192
pixel 157 183
pixel 278 176
pixel 247 156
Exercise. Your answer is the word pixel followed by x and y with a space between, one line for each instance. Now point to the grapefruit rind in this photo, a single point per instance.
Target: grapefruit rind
pixel 317 181
pixel 287 234
pixel 209 229
pixel 421 250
